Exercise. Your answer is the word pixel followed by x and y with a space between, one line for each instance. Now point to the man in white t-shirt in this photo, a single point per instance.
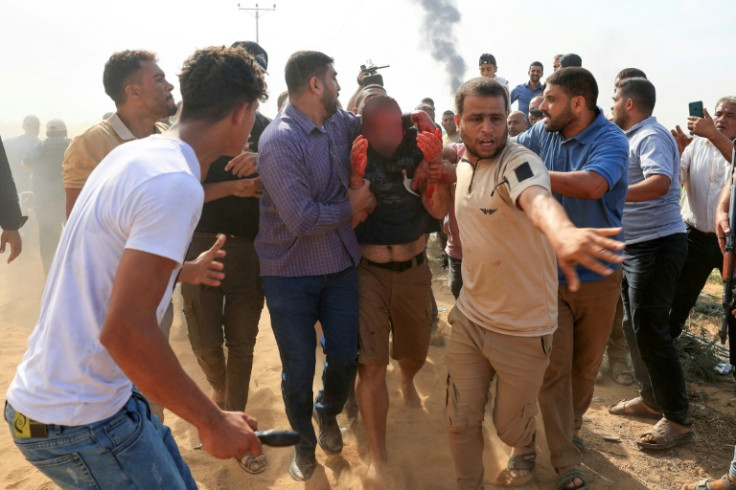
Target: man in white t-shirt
pixel 73 407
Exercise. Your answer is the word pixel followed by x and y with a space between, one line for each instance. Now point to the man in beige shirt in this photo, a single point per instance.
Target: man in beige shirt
pixel 142 96
pixel 510 227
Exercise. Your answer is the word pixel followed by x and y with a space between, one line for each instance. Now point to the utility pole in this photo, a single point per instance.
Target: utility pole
pixel 257 14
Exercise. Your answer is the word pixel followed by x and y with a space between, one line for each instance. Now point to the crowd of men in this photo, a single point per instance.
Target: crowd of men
pixel 565 237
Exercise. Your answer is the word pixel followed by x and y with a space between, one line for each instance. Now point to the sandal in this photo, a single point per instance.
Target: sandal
pixel 664 436
pixel 620 368
pixel 705 484
pixel 520 462
pixel 564 480
pixel 636 407
pixel 253 464
pixel 578 442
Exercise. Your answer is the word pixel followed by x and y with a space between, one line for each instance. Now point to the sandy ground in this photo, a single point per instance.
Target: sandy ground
pixel 416 438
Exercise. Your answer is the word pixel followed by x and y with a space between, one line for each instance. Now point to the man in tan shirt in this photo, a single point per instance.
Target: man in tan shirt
pixel 142 96
pixel 510 227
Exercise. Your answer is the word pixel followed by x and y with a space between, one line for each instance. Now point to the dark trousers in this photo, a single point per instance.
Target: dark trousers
pixel 651 270
pixel 455 277
pixel 225 316
pixel 296 304
pixel 703 255
pixel 50 218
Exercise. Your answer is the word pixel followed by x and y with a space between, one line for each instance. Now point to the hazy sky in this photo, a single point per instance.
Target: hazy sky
pixel 53 52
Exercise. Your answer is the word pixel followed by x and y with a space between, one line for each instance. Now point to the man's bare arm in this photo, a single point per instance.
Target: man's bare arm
pixel 132 337
pixel 584 246
pixel 583 184
pixel 652 187
pixel 71 198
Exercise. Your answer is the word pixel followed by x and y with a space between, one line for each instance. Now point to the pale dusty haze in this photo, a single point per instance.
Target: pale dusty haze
pixel 53 52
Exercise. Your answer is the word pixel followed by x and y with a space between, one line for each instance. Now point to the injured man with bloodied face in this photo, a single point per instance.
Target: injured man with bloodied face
pixel 394 280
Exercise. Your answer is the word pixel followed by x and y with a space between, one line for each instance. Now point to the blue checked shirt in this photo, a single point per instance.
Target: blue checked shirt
pixel 305 214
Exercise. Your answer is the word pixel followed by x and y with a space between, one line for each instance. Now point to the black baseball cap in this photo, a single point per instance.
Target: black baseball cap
pixel 256 51
pixel 487 58
pixel 570 59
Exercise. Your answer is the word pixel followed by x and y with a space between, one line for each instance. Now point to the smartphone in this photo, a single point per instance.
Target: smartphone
pixel 696 109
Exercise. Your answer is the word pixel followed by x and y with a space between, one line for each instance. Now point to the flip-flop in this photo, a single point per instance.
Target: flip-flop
pixel 664 437
pixel 253 464
pixel 520 462
pixel 705 484
pixel 622 408
pixel 564 480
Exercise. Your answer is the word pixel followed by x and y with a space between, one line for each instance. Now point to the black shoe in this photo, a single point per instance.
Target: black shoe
pixel 302 467
pixel 330 437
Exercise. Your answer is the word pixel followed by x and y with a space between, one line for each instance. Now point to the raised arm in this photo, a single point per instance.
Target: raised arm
pixel 584 246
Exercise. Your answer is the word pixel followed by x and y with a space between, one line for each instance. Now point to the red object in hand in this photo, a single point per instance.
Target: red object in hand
pixel 359 161
pixel 429 191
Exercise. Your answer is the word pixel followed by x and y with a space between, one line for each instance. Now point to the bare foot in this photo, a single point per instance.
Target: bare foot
pixel 410 395
pixel 376 477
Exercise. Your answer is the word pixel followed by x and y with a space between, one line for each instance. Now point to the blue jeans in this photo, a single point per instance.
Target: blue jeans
pixel 131 449
pixel 295 305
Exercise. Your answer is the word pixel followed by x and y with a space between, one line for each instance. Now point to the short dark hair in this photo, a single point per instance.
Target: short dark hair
pixel 302 66
pixel 577 82
pixel 482 86
pixel 428 100
pixel 570 59
pixel 630 73
pixel 537 63
pixel 641 91
pixel 120 69
pixel 215 80
pixel 448 112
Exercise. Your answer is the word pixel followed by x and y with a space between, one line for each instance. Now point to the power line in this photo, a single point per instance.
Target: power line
pixel 256 12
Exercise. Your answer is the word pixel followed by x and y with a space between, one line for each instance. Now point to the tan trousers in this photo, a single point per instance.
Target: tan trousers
pixel 585 320
pixel 618 349
pixel 474 356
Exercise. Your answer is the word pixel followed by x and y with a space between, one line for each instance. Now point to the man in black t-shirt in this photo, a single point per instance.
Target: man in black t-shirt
pixel 228 315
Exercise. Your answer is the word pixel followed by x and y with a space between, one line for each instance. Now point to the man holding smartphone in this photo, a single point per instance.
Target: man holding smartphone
pixel 704 164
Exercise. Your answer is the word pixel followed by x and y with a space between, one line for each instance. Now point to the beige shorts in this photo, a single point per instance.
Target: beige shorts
pixel 396 304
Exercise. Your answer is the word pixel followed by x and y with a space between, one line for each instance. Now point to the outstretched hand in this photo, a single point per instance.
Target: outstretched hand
pixel 206 268
pixel 587 247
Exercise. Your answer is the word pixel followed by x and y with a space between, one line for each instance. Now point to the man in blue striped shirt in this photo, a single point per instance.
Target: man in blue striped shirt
pixel 308 250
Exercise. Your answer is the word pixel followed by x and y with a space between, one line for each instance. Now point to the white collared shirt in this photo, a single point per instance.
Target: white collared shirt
pixel 703 173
